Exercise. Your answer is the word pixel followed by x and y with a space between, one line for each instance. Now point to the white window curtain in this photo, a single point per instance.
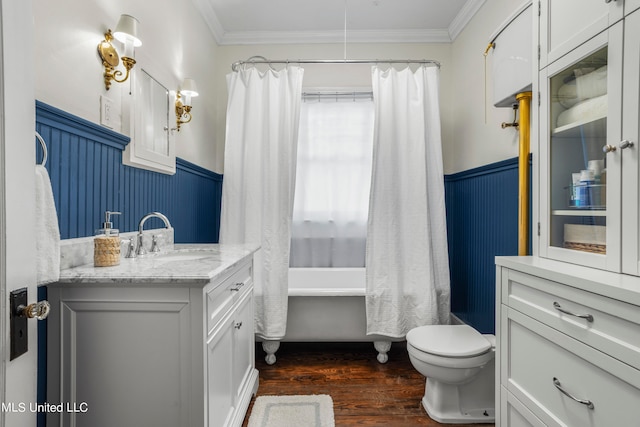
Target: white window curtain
pixel 257 193
pixel 333 178
pixel 407 261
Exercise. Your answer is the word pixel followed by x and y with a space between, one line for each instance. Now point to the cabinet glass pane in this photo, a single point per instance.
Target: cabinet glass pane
pixel 578 189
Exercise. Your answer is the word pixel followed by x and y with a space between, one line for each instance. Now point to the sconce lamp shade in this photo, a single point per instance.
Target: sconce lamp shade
pixel 188 88
pixel 183 102
pixel 127 33
pixel 127 30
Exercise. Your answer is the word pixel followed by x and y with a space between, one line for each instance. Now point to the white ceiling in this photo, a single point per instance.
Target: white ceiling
pixel 323 21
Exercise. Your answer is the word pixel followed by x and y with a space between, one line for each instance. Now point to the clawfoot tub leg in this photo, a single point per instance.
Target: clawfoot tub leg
pixel 270 347
pixel 382 347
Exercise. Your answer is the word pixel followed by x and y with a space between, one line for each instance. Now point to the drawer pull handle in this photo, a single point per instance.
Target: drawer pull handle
pixel 237 286
pixel 238 325
pixel 587 317
pixel 587 403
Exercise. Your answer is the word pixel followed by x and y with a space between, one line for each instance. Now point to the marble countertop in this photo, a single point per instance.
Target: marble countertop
pixel 187 263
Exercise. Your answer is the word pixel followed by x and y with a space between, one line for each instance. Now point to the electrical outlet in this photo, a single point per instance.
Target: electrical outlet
pixel 18 338
pixel 107 112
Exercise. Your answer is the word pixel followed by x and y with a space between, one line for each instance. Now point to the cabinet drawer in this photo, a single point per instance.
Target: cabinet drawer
pixel 614 326
pixel 221 298
pixel 539 354
pixel 514 413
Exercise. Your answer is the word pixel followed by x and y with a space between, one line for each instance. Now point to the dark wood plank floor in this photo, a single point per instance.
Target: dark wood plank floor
pixel 364 392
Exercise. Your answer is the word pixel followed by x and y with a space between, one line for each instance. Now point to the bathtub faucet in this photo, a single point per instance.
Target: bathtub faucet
pixel 154 248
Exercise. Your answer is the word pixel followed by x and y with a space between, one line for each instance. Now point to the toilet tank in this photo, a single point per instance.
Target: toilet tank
pixel 512 56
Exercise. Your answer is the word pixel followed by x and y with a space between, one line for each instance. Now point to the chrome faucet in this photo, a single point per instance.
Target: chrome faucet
pixel 140 250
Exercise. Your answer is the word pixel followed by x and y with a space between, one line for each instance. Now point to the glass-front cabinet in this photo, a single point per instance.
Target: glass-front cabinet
pixel 580 129
pixel 565 24
pixel 631 135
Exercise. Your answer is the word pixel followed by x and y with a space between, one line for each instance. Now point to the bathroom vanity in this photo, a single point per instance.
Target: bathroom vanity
pixel 161 340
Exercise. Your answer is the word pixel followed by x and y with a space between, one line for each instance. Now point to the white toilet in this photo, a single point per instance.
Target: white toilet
pixel 459 365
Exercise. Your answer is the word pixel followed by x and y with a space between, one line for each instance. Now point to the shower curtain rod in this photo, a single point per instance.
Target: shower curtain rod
pixel 337 93
pixel 261 60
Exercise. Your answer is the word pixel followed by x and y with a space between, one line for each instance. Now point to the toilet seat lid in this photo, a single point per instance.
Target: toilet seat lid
pixel 448 340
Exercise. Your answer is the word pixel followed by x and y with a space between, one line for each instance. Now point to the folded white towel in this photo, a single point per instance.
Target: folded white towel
pixel 585 86
pixel 591 109
pixel 47 231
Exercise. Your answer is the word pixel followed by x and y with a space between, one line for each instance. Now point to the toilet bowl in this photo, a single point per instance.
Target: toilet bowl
pixel 459 365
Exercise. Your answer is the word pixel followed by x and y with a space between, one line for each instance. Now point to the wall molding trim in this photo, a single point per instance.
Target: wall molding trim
pixel 446 35
pixel 88 177
pixel 483 170
pixel 186 166
pixel 55 117
pixel 467 13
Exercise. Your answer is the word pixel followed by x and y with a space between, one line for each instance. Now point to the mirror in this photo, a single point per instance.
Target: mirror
pixel 153 115
pixel 150 128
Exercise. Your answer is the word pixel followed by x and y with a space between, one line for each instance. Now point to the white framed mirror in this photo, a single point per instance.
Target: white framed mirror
pixel 147 120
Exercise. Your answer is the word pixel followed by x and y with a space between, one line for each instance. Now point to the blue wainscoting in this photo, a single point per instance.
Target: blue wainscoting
pixel 482 223
pixel 88 178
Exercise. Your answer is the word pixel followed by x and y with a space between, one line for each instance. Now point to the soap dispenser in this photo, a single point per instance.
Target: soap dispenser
pixel 106 244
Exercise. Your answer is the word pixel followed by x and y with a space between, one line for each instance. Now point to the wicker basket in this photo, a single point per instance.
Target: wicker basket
pixel 586 247
pixel 106 251
pixel 586 238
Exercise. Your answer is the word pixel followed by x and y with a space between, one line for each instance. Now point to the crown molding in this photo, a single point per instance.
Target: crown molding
pixel 223 37
pixel 463 17
pixel 210 18
pixel 353 36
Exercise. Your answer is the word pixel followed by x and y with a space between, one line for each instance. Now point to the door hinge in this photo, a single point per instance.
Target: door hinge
pixel 539 8
pixel 539 52
pixel 539 101
pixel 538 229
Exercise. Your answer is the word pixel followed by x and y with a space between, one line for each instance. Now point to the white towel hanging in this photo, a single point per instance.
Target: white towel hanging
pixel 47 230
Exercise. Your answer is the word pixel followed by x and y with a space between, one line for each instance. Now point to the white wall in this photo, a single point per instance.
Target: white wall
pixel 176 44
pixel 352 75
pixel 478 141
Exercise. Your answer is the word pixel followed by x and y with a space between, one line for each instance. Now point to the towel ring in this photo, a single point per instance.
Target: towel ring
pixel 44 149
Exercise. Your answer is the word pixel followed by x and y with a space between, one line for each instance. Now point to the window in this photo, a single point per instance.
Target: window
pixel 333 177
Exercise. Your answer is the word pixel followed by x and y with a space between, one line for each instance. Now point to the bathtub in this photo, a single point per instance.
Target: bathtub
pixel 327 304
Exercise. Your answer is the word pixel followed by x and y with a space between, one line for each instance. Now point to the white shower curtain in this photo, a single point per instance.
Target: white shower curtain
pixel 259 178
pixel 407 261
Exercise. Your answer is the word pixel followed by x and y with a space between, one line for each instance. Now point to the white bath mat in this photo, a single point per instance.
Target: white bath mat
pixel 292 411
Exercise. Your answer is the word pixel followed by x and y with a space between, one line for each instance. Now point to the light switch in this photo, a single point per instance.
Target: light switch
pixel 107 112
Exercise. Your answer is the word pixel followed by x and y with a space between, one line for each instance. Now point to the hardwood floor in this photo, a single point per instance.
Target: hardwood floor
pixel 364 392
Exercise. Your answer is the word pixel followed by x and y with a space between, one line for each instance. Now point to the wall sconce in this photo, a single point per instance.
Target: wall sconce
pixel 127 33
pixel 183 102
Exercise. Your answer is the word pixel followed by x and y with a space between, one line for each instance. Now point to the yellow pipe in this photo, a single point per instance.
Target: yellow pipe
pixel 524 106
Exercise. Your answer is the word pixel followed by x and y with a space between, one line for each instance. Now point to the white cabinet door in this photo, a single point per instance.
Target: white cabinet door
pixel 566 24
pixel 514 413
pixel 578 117
pixel 231 373
pixel 220 375
pixel 629 155
pixel 17 192
pixel 148 122
pixel 630 6
pixel 243 345
pixel 125 362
